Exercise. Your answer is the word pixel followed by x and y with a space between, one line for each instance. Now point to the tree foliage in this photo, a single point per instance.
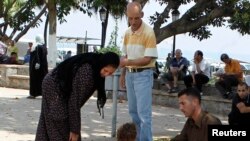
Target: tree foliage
pixel 18 16
pixel 196 20
pixel 21 15
pixel 116 8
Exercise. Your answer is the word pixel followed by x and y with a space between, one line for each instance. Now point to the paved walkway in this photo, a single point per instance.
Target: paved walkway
pixel 19 117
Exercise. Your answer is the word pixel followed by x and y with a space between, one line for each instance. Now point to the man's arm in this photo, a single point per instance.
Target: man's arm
pixel 243 108
pixel 183 64
pixel 181 67
pixel 123 72
pixel 137 62
pixel 183 135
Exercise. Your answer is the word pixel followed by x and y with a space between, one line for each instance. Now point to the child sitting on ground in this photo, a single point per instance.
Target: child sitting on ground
pixel 126 132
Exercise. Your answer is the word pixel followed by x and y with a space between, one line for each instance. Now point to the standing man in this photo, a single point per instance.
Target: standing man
pixel 232 76
pixel 196 126
pixel 27 55
pixel 140 51
pixel 200 72
pixel 38 67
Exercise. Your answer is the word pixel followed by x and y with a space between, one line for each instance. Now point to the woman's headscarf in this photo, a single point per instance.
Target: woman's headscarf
pixel 67 69
pixel 38 41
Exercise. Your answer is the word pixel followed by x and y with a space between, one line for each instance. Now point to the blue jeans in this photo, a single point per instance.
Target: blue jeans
pixel 139 92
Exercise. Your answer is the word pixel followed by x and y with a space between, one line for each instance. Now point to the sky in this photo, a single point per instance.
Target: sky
pixel 223 39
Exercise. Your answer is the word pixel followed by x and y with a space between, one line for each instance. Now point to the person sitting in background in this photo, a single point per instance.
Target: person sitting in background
pixel 126 132
pixel 232 76
pixel 68 55
pixel 196 126
pixel 178 69
pixel 167 65
pixel 200 73
pixel 156 72
pixel 13 48
pixel 12 59
pixel 240 111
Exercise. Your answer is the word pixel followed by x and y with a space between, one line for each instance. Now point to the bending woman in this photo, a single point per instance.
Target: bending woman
pixel 66 89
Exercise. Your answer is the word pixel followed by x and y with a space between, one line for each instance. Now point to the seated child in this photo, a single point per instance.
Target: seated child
pixel 126 132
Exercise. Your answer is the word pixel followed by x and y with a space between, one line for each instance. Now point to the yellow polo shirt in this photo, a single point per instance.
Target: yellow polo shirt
pixel 140 44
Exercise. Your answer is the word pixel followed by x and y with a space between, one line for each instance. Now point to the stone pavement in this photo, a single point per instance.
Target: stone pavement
pixel 19 117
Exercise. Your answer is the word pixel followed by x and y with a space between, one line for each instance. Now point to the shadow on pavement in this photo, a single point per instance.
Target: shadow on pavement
pixel 19 118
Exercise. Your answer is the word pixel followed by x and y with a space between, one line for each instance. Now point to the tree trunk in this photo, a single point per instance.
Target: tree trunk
pixel 52 50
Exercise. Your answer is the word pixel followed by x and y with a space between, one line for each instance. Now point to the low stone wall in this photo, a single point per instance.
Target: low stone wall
pixel 208 90
pixel 211 98
pixel 8 70
pixel 19 81
pixel 210 103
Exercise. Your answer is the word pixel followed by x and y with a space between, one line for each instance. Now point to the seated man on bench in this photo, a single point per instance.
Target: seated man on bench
pixel 178 69
pixel 200 73
pixel 231 78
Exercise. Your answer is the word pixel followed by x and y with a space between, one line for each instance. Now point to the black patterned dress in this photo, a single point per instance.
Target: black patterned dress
pixel 59 117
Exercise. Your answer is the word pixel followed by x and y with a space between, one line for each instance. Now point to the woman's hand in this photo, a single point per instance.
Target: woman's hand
pixel 73 136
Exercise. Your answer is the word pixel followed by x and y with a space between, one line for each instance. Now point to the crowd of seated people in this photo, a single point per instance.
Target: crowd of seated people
pixel 9 55
pixel 201 73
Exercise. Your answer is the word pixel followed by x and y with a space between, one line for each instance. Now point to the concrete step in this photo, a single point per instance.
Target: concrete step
pixel 19 81
pixel 210 103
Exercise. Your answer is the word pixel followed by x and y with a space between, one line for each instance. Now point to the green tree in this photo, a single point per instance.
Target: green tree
pixel 112 46
pixel 115 8
pixel 21 15
pixel 196 20
pixel 18 17
pixel 113 36
pixel 59 9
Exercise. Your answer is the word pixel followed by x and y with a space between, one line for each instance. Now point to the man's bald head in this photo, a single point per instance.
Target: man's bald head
pixel 134 7
pixel 134 14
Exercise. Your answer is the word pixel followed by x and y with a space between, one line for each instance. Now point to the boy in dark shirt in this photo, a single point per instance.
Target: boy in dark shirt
pixel 12 59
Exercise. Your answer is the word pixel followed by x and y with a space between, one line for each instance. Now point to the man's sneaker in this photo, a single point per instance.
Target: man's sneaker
pixel 175 90
pixel 230 95
pixel 169 91
pixel 225 96
pixel 31 97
